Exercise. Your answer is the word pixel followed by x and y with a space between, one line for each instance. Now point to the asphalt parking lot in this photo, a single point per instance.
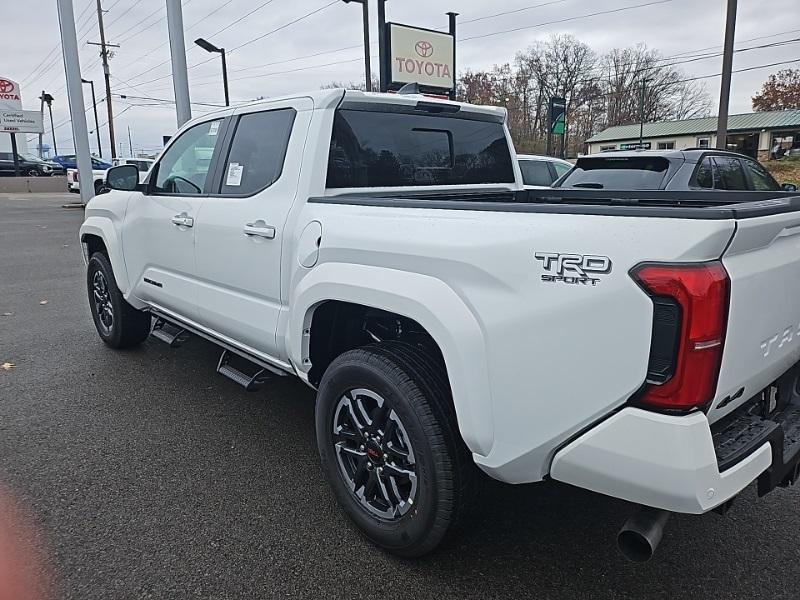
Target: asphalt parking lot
pixel 143 474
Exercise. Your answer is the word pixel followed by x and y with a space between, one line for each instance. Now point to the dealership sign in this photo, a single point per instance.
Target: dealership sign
pixel 10 96
pixel 20 121
pixel 420 56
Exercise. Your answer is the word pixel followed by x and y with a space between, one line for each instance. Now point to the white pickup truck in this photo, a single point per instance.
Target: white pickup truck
pixel 381 248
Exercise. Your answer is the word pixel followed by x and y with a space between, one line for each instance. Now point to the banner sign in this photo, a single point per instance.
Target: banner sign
pixel 558 115
pixel 420 56
pixel 21 121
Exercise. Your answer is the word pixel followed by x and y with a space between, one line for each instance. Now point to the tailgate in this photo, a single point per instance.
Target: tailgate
pixel 763 335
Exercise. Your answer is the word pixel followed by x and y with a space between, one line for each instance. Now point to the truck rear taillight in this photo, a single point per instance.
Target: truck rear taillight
pixel 690 309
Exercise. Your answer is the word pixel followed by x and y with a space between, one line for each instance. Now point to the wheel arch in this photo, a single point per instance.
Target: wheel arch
pixel 421 299
pixel 97 234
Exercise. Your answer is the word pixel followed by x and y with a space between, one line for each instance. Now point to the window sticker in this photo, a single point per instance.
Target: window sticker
pixel 214 128
pixel 235 171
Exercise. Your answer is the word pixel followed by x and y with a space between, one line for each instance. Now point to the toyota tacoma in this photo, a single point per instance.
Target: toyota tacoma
pixel 382 248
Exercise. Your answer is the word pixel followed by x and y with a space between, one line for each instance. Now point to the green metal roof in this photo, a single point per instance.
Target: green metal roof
pixel 747 121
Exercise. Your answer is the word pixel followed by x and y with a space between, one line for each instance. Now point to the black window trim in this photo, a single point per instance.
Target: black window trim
pixel 152 174
pixel 227 145
pixel 548 164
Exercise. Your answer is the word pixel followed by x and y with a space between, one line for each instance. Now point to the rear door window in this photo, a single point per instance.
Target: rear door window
pixel 382 149
pixel 255 160
pixel 535 172
pixel 731 173
pixel 618 173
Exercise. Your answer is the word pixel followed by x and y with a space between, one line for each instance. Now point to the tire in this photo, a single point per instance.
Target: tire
pixel 415 397
pixel 32 172
pixel 117 322
pixel 99 188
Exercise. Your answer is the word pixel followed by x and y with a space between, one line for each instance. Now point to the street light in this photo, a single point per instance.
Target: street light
pixel 209 47
pixel 96 122
pixel 365 6
pixel 48 99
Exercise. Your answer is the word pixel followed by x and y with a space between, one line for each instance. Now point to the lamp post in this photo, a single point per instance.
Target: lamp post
pixel 209 47
pixel 48 99
pixel 96 122
pixel 367 68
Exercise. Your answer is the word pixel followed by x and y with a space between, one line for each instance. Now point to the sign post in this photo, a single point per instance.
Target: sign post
pixel 11 99
pixel 557 111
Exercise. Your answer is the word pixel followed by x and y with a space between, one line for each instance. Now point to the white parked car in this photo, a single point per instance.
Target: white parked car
pixel 381 248
pixel 541 171
pixel 99 175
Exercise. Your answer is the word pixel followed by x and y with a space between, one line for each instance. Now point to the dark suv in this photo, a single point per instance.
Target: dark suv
pixel 29 165
pixel 692 169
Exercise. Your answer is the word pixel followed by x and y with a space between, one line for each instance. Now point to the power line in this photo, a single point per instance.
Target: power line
pixel 510 12
pixel 564 20
pixel 250 41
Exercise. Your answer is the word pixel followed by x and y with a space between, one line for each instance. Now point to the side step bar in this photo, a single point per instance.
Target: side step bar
pixel 232 360
pixel 249 382
pixel 172 335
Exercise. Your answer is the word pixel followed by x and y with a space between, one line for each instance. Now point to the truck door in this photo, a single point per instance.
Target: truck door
pixel 159 232
pixel 240 229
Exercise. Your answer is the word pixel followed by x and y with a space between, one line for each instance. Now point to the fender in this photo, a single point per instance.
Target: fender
pixel 104 228
pixel 427 300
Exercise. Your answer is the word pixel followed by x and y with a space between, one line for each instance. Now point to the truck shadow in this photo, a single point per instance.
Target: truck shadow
pixel 543 540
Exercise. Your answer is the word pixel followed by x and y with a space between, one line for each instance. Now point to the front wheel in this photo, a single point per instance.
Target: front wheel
pixel 118 323
pixel 32 172
pixel 390 449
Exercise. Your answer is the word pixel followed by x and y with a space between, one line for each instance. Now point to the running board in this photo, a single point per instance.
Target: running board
pixel 249 382
pixel 168 333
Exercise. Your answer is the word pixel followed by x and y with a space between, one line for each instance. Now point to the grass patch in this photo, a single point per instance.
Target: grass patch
pixel 786 170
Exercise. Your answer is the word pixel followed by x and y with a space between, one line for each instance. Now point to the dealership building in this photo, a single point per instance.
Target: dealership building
pixel 758 134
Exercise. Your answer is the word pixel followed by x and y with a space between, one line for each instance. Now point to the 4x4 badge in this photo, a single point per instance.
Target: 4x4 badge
pixel 576 269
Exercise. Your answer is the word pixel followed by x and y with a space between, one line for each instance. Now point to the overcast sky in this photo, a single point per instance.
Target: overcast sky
pixel 280 62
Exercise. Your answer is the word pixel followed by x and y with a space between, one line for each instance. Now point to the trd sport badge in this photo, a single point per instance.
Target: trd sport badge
pixel 575 269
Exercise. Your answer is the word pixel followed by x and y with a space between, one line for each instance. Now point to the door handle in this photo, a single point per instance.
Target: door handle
pixel 259 229
pixel 183 220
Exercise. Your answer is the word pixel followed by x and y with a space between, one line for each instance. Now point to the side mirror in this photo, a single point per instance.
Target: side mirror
pixel 123 177
pixel 789 187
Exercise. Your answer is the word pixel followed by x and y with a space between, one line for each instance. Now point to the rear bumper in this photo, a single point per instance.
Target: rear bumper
pixel 658 460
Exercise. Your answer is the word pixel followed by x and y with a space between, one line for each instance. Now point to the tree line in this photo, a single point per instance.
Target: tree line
pixel 601 90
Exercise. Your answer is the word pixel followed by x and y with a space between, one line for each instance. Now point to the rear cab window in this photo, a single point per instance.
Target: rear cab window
pixel 535 172
pixel 618 172
pixel 400 145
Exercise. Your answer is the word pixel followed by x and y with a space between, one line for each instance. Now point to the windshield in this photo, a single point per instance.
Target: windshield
pixel 377 149
pixel 618 173
pixel 31 158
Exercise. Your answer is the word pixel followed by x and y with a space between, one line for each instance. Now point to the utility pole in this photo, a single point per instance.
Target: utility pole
pixel 72 68
pixel 106 75
pixel 130 143
pixel 727 69
pixel 96 122
pixel 41 133
pixel 177 49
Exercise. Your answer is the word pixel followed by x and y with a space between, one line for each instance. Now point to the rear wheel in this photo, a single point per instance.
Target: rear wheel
pixel 389 449
pixel 118 323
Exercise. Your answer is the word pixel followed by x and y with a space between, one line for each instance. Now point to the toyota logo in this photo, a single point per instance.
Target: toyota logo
pixel 6 86
pixel 423 48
